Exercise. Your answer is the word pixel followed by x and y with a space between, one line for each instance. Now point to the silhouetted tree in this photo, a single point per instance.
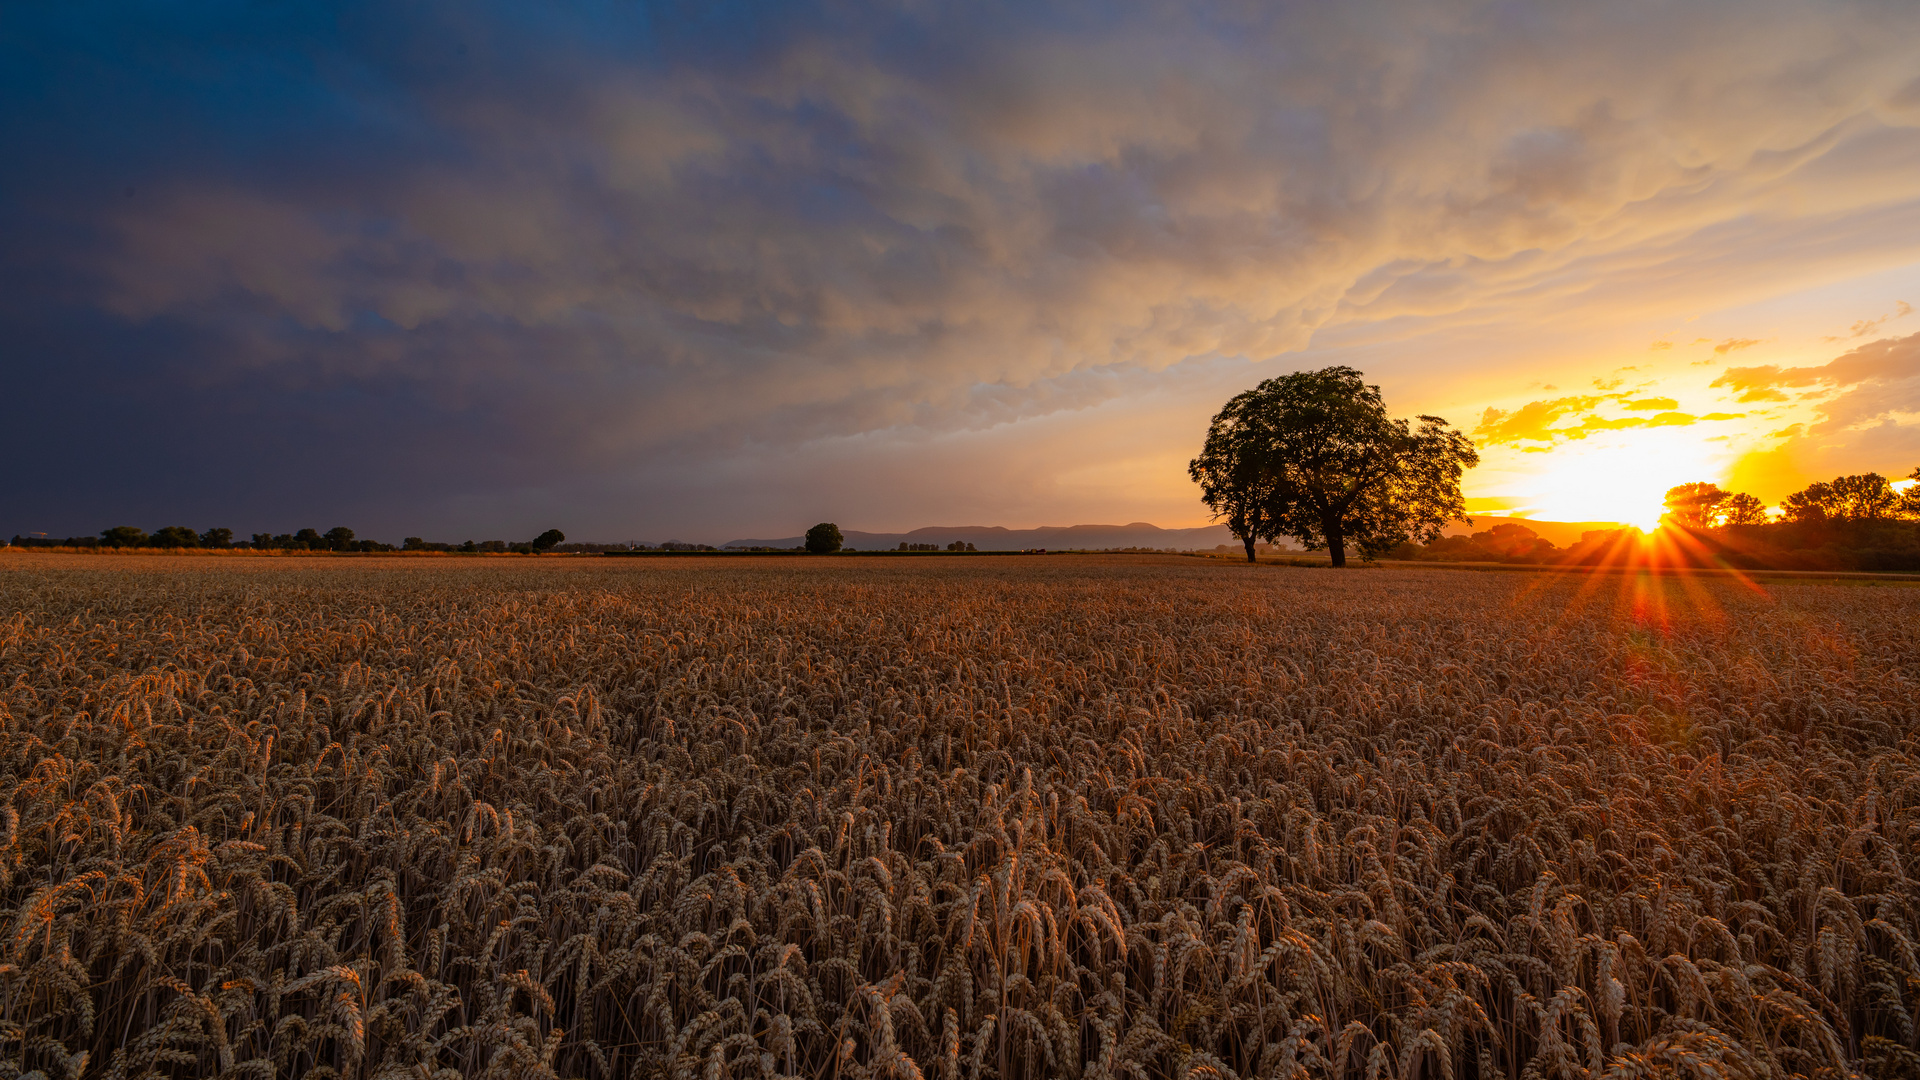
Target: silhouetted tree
pixel 174 536
pixel 1743 509
pixel 1314 456
pixel 824 538
pixel 1232 472
pixel 1695 506
pixel 217 538
pixel 1861 497
pixel 546 541
pixel 339 538
pixel 123 536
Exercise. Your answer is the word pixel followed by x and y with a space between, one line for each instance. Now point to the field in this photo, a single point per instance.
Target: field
pixel 1016 817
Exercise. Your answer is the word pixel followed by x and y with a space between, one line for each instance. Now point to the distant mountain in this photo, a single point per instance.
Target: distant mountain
pixel 1051 537
pixel 1139 534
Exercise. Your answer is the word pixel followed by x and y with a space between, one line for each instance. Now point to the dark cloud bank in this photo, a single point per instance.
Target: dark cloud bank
pixel 468 268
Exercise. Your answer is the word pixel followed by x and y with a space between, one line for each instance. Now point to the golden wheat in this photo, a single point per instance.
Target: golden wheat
pixel 944 819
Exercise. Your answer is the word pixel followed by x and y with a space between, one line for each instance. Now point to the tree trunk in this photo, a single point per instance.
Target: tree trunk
pixel 1248 540
pixel 1336 542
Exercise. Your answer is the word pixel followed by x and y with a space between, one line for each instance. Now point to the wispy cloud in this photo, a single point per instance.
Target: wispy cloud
pixel 1863 327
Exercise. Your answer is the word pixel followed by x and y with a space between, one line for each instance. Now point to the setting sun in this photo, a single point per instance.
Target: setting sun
pixel 1624 480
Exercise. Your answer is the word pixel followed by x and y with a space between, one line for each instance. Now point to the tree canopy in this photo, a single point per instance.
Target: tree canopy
pixel 824 538
pixel 1314 456
pixel 1701 505
pixel 1862 497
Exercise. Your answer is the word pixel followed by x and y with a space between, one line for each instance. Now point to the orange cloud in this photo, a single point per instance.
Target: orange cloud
pixel 1534 421
pixel 1735 344
pixel 1877 382
pixel 1649 404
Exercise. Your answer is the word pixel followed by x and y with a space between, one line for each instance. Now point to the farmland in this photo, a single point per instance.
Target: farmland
pixel 1018 817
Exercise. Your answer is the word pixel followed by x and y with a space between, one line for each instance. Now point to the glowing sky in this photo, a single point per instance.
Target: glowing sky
pixel 728 269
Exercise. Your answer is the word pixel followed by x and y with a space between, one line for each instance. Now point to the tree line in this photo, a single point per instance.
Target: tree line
pixel 1857 522
pixel 1862 497
pixel 340 539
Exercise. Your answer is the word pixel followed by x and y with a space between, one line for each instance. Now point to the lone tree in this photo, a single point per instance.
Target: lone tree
pixel 1314 456
pixel 549 540
pixel 824 538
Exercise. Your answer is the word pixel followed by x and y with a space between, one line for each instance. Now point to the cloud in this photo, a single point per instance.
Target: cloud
pixel 495 244
pixel 1876 383
pixel 1539 421
pixel 1862 327
pixel 1734 345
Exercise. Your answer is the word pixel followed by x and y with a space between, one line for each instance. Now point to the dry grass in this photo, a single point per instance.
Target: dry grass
pixel 970 818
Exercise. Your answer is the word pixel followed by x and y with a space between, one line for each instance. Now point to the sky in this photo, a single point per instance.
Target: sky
pixel 637 271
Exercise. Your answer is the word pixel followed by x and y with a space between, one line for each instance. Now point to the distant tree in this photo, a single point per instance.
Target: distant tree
pixel 1512 540
pixel 546 541
pixel 339 538
pixel 1861 497
pixel 262 541
pixel 1314 456
pixel 1743 509
pixel 957 545
pixel 123 536
pixel 495 546
pixel 413 543
pixel 1695 506
pixel 174 536
pixel 469 547
pixel 824 538
pixel 217 538
pixel 970 546
pixel 309 539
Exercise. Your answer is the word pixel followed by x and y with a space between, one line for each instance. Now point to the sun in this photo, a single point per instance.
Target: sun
pixel 1624 479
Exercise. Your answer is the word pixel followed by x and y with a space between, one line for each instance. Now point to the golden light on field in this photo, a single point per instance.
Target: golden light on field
pixel 1624 480
pixel 603 818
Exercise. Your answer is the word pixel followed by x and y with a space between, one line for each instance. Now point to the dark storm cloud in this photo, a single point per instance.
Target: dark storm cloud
pixel 378 259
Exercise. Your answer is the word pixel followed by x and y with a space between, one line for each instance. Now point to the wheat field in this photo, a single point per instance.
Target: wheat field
pixel 951 818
